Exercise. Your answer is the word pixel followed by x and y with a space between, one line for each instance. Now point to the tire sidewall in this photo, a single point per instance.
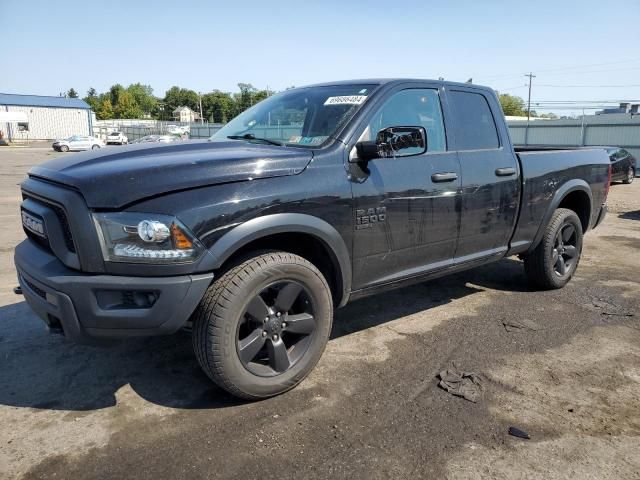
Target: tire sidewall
pixel 224 344
pixel 565 217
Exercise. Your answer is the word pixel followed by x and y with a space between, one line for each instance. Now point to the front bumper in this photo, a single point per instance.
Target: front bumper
pixel 86 307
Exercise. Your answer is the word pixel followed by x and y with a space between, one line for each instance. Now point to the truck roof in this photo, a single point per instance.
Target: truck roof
pixel 386 81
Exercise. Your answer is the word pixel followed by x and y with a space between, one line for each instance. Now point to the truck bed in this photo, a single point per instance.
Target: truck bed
pixel 545 170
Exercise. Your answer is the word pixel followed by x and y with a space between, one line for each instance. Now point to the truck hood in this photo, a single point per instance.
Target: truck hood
pixel 113 178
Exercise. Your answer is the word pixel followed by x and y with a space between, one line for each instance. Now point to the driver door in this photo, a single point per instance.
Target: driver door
pixel 406 208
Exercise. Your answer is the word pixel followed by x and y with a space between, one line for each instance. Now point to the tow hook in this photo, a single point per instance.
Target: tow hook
pixel 17 290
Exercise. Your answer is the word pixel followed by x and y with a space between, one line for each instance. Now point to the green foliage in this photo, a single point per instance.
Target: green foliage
pixel 180 97
pixel 105 109
pixel 512 105
pixel 114 93
pixel 72 93
pixel 92 99
pixel 143 97
pixel 137 101
pixel 218 107
pixel 127 107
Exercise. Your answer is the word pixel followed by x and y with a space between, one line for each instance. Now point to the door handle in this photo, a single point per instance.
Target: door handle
pixel 444 177
pixel 505 172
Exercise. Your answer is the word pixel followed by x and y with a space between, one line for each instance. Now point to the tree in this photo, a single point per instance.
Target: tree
pixel 512 105
pixel 127 106
pixel 218 107
pixel 143 97
pixel 72 93
pixel 246 97
pixel 115 92
pixel 180 97
pixel 105 109
pixel 92 99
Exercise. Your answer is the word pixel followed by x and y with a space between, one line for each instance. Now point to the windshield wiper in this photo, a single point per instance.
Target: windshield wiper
pixel 251 136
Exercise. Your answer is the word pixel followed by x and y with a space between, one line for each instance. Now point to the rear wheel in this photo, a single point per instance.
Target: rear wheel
pixel 95 147
pixel 554 261
pixel 262 326
pixel 631 174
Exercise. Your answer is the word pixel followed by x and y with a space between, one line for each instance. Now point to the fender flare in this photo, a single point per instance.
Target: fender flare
pixel 559 195
pixel 267 225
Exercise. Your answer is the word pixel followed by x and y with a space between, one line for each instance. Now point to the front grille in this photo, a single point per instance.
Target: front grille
pixel 64 224
pixel 37 290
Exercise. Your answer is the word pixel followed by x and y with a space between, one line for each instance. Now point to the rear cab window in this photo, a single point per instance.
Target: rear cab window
pixel 474 123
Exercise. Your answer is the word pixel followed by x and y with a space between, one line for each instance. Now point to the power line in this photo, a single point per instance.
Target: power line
pixel 588 86
pixel 565 68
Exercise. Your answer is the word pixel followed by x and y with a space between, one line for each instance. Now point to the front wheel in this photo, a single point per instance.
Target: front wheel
pixel 263 325
pixel 64 148
pixel 95 147
pixel 554 261
pixel 631 174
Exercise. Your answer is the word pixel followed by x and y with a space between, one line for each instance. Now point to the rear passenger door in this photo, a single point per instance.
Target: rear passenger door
pixel 490 174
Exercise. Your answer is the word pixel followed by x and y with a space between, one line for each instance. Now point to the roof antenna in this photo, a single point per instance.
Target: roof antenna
pixel 469 81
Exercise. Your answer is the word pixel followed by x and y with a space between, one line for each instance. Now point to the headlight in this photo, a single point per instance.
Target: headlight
pixel 145 238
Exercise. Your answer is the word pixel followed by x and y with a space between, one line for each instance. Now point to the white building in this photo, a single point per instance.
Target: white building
pixel 34 117
pixel 185 114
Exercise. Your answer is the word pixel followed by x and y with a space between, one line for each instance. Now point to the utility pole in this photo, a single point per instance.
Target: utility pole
pixel 200 101
pixel 526 132
pixel 531 76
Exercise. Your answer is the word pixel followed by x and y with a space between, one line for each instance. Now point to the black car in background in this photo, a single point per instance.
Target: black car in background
pixel 623 165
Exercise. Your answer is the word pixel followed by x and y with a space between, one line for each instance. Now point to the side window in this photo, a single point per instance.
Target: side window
pixel 475 124
pixel 412 108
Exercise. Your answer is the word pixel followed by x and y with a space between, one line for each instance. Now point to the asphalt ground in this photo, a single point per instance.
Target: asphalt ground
pixel 372 408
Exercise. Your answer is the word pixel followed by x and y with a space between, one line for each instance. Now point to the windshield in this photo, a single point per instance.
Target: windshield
pixel 304 117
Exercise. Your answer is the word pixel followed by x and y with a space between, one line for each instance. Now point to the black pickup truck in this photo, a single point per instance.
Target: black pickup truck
pixel 315 197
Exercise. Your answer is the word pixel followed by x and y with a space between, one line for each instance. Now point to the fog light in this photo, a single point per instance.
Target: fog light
pixel 153 231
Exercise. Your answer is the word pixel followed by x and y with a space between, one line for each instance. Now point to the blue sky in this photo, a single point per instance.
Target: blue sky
pixel 50 46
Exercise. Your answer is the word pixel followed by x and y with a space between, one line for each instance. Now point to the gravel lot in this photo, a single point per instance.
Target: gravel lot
pixel 372 408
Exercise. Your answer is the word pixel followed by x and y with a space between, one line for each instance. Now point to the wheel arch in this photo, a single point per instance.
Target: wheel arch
pixel 297 233
pixel 574 195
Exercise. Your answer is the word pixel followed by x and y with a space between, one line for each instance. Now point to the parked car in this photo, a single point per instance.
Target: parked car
pixel 178 130
pixel 623 165
pixel 252 238
pixel 157 139
pixel 117 138
pixel 77 142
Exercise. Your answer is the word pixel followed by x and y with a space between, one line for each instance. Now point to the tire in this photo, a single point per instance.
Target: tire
pixel 64 148
pixel 231 318
pixel 631 174
pixel 541 266
pixel 95 147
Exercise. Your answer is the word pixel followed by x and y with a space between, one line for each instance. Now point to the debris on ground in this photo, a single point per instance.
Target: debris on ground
pixel 516 432
pixel 467 385
pixel 519 325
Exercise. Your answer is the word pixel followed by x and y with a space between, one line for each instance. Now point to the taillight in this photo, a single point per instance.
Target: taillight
pixel 608 186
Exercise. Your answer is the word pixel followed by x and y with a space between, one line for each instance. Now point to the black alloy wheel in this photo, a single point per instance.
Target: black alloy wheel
pixel 565 251
pixel 276 329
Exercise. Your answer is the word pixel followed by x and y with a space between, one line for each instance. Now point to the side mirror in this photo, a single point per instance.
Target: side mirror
pixel 391 141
